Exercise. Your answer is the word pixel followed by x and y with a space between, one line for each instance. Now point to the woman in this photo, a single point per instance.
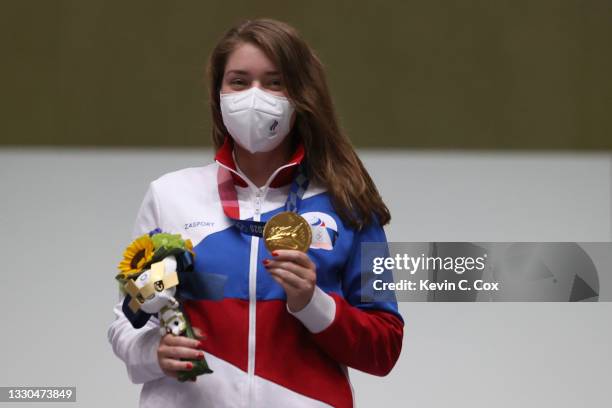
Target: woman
pixel 289 322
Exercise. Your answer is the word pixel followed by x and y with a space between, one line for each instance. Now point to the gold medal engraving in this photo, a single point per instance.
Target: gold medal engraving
pixel 287 230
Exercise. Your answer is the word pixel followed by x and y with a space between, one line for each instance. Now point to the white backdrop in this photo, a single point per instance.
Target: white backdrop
pixel 66 216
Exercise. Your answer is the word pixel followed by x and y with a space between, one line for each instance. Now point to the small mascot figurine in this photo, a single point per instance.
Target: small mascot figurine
pixel 151 272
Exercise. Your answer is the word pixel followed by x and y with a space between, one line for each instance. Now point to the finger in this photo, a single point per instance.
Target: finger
pixel 181 352
pixel 286 287
pixel 294 256
pixel 182 341
pixel 289 278
pixel 297 269
pixel 170 364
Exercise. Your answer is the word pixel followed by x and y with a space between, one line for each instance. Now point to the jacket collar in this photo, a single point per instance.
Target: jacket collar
pixel 282 176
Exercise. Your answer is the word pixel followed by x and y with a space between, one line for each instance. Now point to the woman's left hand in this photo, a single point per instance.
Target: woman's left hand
pixel 296 273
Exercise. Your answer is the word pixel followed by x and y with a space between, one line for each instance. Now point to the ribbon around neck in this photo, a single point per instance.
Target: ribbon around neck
pixel 231 208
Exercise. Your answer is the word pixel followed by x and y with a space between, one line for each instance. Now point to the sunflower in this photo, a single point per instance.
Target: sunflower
pixel 136 255
pixel 189 246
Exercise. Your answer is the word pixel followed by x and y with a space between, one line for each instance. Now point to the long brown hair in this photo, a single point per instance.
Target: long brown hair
pixel 330 156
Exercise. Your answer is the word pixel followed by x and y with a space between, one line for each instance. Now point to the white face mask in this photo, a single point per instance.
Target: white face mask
pixel 257 120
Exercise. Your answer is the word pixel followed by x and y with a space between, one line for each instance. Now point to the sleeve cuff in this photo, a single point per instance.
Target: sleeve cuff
pixel 319 313
pixel 146 368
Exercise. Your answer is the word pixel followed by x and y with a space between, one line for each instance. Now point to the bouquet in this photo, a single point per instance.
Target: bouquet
pixel 150 270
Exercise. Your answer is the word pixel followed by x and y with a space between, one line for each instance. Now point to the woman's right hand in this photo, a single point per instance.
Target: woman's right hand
pixel 172 348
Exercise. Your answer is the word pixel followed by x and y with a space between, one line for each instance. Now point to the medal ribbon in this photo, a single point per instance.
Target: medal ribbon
pixel 229 199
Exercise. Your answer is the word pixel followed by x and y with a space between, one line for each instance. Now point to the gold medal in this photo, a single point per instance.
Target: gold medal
pixel 287 230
